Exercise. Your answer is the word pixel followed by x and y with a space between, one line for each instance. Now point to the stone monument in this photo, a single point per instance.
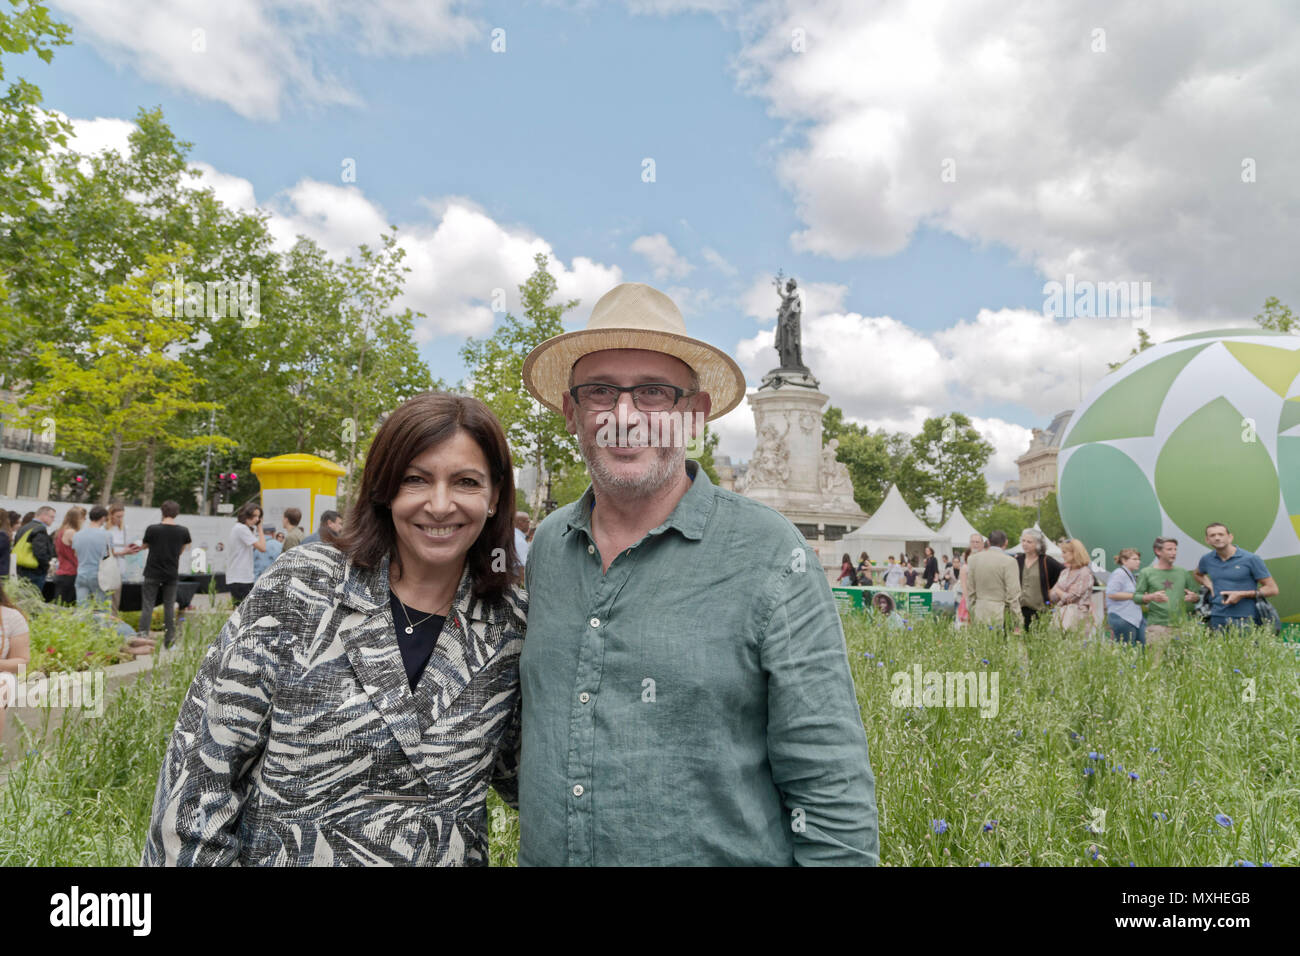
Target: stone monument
pixel 791 470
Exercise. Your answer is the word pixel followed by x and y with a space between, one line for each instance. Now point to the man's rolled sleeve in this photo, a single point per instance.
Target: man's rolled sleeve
pixel 816 744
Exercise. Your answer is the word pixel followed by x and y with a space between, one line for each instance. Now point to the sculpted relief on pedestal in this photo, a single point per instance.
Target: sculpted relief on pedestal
pixel 771 462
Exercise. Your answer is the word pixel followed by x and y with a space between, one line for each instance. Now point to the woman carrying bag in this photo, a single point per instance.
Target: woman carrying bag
pixel 1071 596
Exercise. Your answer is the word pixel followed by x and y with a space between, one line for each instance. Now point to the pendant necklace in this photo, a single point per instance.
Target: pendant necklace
pixel 410 628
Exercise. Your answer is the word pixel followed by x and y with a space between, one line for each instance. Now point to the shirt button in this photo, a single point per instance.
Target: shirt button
pixel 584 697
pixel 591 549
pixel 595 622
pixel 577 790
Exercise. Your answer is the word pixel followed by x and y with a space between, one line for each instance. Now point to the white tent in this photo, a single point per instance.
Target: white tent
pixel 958 530
pixel 1053 550
pixel 893 529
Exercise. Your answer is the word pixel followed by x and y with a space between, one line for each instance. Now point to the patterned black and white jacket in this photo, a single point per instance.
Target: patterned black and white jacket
pixel 301 743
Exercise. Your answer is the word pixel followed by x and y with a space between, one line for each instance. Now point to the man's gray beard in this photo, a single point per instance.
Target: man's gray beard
pixel 667 463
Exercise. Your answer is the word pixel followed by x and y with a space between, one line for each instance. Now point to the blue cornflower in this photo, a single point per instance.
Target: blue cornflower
pixel 1154 749
pixel 1132 775
pixel 880 663
pixel 990 825
pixel 984 660
pixel 1244 863
pixel 1131 863
pixel 1088 771
pixel 1223 820
pixel 868 654
pixel 1237 670
pixel 1118 768
pixel 939 826
pixel 985 864
pixel 1093 851
pixel 1074 736
pixel 1020 733
pixel 1159 816
pixel 1096 755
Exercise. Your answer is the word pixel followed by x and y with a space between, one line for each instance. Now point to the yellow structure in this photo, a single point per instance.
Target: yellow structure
pixel 305 482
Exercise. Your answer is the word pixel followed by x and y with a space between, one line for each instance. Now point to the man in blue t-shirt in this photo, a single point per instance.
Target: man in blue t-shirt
pixel 1235 577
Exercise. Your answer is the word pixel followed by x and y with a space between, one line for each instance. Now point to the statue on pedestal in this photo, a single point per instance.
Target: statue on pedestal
pixel 789 344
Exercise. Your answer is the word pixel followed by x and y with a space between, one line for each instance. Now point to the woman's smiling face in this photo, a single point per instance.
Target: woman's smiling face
pixel 442 504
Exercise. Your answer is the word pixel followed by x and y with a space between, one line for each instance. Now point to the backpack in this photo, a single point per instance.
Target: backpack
pixel 23 553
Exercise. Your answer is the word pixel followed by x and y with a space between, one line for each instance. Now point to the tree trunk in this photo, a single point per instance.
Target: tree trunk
pixel 106 492
pixel 151 453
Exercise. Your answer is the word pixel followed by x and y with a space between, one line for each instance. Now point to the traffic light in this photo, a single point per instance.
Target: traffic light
pixel 79 489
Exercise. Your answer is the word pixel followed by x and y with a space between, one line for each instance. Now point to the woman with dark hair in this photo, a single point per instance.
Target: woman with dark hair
pixel 931 567
pixel 246 536
pixel 359 702
pixel 848 574
pixel 15 652
pixel 864 570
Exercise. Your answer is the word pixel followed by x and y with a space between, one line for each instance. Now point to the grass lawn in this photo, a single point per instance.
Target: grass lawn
pixel 1193 754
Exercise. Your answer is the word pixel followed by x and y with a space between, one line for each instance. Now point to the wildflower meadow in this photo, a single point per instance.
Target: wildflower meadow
pixel 1098 754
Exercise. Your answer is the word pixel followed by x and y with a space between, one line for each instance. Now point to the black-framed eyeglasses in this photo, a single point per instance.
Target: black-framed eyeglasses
pixel 649 397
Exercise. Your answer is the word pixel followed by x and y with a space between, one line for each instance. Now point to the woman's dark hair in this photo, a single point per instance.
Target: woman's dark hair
pixel 415 426
pixel 846 560
pixel 245 510
pixel 26 518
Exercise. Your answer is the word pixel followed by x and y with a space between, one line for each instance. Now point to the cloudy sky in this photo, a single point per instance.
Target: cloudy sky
pixel 923 168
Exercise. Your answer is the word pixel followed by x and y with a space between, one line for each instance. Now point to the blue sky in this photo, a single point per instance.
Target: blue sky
pixel 923 296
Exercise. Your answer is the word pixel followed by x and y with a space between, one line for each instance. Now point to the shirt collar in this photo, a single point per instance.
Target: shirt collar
pixel 689 517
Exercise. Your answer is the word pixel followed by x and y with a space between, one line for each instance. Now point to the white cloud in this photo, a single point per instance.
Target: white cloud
pixel 665 260
pixel 458 260
pixel 1117 165
pixel 253 55
pixel 885 374
pixel 716 259
pixel 761 301
pixel 102 133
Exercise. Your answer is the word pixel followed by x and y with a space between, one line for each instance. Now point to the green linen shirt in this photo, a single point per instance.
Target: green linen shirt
pixel 694 704
pixel 1151 579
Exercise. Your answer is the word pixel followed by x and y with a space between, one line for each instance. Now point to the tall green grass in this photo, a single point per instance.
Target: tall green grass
pixel 84 796
pixel 1185 723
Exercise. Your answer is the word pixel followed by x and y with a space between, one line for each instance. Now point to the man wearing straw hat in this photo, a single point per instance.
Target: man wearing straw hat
pixel 687 698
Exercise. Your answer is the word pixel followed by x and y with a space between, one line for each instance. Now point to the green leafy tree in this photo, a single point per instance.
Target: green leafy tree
pixel 132 385
pixel 27 135
pixel 1004 516
pixel 538 437
pixel 869 457
pixel 1144 343
pixel 1049 518
pixel 946 466
pixel 1277 316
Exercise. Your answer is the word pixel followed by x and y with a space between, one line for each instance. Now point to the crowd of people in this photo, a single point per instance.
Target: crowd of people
pixel 1230 585
pixel 906 571
pixel 78 562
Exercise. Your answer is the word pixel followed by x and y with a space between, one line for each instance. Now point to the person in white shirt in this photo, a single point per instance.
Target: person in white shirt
pixel 895 575
pixel 245 537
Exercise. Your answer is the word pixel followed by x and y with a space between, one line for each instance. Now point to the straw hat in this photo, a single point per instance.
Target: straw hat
pixel 633 316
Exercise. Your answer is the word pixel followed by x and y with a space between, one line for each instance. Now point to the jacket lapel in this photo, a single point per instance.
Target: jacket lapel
pixel 370 639
pixel 464 647
pixel 367 633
